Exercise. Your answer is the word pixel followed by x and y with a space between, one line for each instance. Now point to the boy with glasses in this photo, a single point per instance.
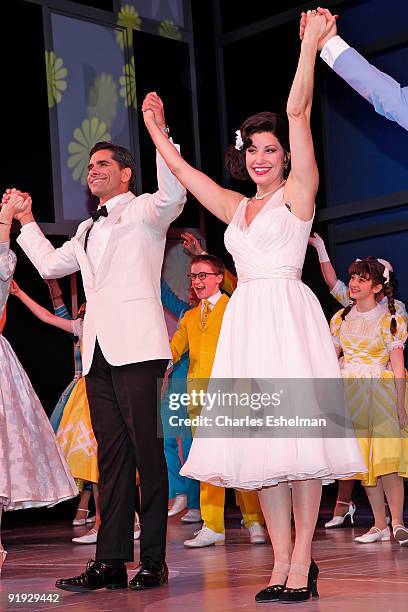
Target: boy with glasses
pixel 198 333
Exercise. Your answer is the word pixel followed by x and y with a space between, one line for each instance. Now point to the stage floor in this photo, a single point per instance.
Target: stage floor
pixel 353 577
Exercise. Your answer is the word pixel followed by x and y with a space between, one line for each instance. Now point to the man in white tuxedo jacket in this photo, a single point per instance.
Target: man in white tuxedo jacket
pixel 382 91
pixel 125 350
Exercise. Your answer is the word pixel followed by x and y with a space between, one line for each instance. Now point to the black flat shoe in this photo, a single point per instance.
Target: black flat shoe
pixel 271 593
pixel 151 574
pixel 96 576
pixel 290 595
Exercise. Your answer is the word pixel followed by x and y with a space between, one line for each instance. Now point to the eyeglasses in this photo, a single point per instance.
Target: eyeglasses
pixel 201 275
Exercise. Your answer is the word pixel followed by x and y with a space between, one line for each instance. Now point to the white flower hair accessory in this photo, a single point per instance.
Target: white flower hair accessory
pixel 239 143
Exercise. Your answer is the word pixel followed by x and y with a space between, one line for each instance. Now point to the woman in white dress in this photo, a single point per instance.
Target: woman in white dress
pixel 273 326
pixel 33 471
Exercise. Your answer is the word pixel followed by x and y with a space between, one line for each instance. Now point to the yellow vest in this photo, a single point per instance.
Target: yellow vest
pixel 200 341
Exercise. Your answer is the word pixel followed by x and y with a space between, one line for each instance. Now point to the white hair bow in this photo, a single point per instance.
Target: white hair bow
pixel 386 264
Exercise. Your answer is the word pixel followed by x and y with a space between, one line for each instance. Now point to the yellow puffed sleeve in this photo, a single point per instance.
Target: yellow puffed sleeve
pixel 400 337
pixel 335 325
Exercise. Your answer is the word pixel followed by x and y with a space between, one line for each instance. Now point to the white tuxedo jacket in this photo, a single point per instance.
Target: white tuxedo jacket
pixel 124 309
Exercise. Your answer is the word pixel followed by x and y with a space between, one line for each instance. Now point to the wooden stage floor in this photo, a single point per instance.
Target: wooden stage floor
pixel 353 577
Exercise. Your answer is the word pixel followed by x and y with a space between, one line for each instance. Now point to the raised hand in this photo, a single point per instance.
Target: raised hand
pixel 152 108
pixel 22 205
pixel 12 203
pixel 302 25
pixel 16 202
pixel 315 27
pixel 330 29
pixel 331 26
pixel 9 192
pixel 316 241
pixel 191 244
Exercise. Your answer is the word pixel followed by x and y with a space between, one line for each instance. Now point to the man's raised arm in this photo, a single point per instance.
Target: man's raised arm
pixel 382 91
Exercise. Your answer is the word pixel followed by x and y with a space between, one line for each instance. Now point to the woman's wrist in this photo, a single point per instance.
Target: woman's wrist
pixel 311 43
pixel 6 219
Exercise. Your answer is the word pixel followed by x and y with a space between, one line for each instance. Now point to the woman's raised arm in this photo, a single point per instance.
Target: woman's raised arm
pixel 303 180
pixel 221 202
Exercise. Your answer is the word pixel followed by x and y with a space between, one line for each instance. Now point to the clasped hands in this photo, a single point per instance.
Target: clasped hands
pixel 153 108
pixel 15 204
pixel 319 24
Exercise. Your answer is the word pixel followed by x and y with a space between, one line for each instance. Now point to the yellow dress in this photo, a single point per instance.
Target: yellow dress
pixel 75 434
pixel 366 342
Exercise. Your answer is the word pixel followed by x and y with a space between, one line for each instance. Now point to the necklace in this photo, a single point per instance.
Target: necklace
pixel 261 197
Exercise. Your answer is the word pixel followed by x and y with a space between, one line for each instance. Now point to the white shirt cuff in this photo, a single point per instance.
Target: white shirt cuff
pixel 24 228
pixel 332 49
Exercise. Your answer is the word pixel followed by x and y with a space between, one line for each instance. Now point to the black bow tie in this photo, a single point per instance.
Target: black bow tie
pixel 101 212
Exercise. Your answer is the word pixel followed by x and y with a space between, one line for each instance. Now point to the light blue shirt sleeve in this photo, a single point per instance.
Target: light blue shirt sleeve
pixel 382 91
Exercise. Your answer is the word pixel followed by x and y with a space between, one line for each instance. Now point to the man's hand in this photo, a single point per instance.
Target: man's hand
pixel 18 203
pixel 330 30
pixel 152 107
pixel 191 244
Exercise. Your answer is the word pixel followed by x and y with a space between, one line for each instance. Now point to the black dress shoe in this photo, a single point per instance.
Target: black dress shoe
pixel 96 576
pixel 289 595
pixel 151 574
pixel 271 593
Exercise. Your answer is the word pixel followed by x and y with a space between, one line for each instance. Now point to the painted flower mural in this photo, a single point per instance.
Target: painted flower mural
pixel 103 99
pixel 128 84
pixel 91 131
pixel 169 30
pixel 128 18
pixel 56 77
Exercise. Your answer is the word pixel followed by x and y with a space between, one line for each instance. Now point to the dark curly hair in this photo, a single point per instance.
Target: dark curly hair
pixel 261 122
pixel 371 269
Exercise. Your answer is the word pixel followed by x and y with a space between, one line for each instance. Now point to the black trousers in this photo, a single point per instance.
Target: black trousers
pixel 123 406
